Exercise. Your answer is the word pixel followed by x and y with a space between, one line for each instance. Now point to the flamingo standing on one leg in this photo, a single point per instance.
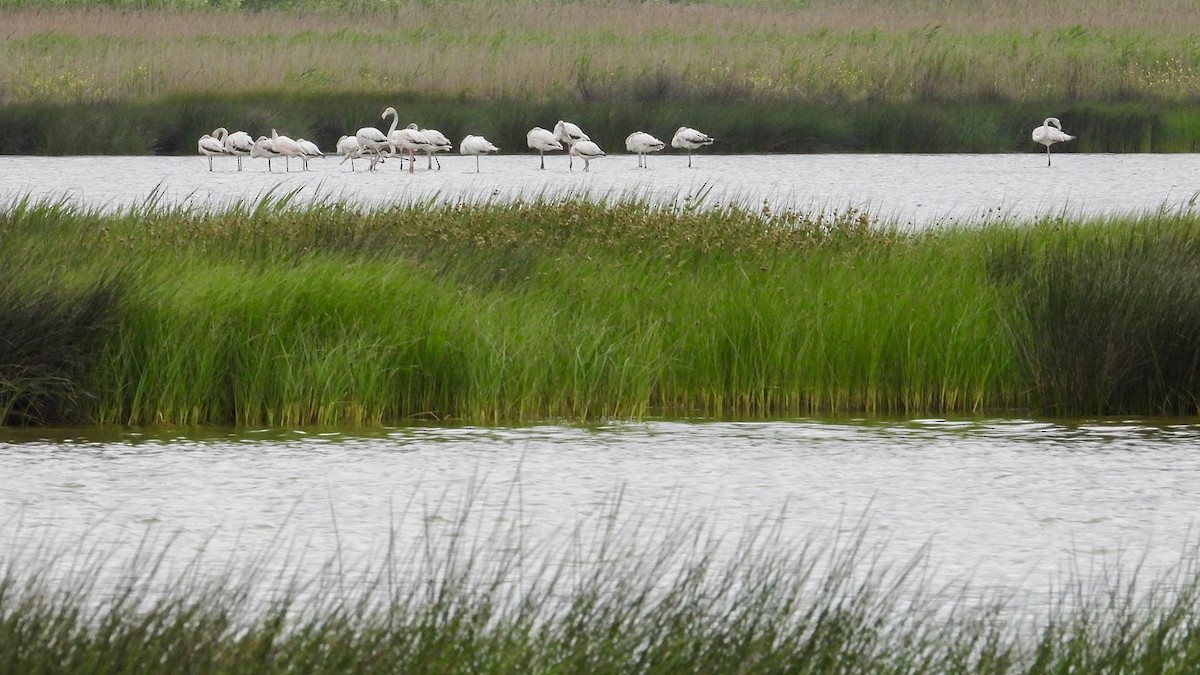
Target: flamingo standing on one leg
pixel 287 147
pixel 1050 133
pixel 543 141
pixel 372 140
pixel 209 146
pixel 476 145
pixel 569 134
pixel 642 143
pixel 690 139
pixel 264 147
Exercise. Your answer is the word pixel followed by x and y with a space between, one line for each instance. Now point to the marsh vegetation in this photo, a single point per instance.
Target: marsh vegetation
pixel 281 314
pixel 761 75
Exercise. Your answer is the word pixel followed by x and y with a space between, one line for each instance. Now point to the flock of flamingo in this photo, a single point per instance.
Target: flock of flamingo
pixel 374 145
pixel 371 144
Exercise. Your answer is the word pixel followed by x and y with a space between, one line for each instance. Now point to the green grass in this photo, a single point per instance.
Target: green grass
pixel 761 76
pixel 601 602
pixel 281 314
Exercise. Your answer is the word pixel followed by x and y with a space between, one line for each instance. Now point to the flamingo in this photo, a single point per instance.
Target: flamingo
pixel 543 141
pixel 209 146
pixel 476 145
pixel 1050 133
pixel 588 151
pixel 287 147
pixel 348 148
pixel 438 143
pixel 308 150
pixel 690 139
pixel 410 140
pixel 237 144
pixel 568 134
pixel 642 143
pixel 264 147
pixel 372 140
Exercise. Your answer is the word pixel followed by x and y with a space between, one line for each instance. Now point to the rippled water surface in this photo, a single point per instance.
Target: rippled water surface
pixel 921 189
pixel 1014 504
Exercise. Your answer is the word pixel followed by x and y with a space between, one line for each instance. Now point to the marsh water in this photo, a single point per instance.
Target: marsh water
pixel 1009 504
pixel 908 189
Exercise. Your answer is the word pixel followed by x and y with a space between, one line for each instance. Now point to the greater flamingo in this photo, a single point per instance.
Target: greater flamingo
pixel 437 143
pixel 1050 133
pixel 543 141
pixel 642 143
pixel 569 134
pixel 476 145
pixel 410 140
pixel 372 140
pixel 348 148
pixel 238 144
pixel 209 146
pixel 308 150
pixel 588 151
pixel 287 147
pixel 264 147
pixel 690 139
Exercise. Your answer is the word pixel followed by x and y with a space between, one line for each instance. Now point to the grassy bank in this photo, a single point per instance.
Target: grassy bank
pixel 450 606
pixel 276 314
pixel 759 75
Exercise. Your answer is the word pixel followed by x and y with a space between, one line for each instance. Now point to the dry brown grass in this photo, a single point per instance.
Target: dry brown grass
pixel 901 50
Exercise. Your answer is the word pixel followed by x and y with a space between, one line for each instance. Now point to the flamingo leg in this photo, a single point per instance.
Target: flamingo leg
pixel 543 154
pixel 1047 155
pixel 476 164
pixel 439 162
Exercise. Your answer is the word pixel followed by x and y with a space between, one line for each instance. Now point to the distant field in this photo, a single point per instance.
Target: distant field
pixel 711 63
pixel 820 52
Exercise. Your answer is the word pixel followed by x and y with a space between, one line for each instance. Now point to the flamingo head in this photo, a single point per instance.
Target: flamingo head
pixel 388 111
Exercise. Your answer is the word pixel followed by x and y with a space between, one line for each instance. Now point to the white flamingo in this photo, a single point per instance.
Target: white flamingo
pixel 264 147
pixel 690 139
pixel 642 143
pixel 237 144
pixel 588 151
pixel 348 148
pixel 569 134
pixel 308 150
pixel 410 140
pixel 287 147
pixel 476 145
pixel 209 146
pixel 1050 133
pixel 543 141
pixel 373 141
pixel 438 143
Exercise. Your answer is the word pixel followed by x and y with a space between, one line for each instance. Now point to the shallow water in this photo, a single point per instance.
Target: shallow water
pixel 916 189
pixel 1010 504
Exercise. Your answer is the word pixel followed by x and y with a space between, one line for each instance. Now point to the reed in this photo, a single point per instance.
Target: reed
pixel 761 76
pixel 682 604
pixel 280 313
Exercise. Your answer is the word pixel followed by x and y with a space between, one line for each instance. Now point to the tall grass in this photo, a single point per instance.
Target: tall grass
pixel 598 603
pixel 277 313
pixel 759 76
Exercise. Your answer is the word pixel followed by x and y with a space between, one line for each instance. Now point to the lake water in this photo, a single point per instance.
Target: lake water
pixel 917 189
pixel 1012 504
pixel 1001 503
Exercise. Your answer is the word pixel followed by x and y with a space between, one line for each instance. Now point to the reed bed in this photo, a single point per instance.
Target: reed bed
pixel 282 314
pixel 759 76
pixel 597 603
